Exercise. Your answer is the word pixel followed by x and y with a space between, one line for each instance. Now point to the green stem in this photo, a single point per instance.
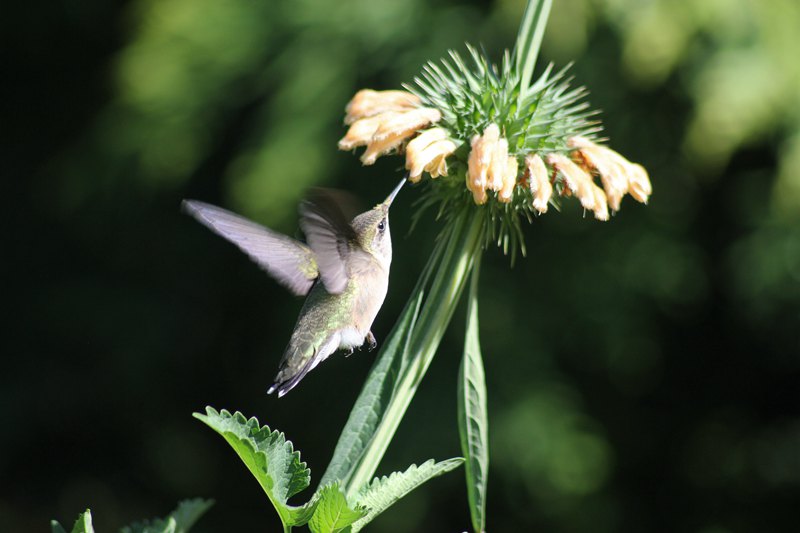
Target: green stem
pixel 451 273
pixel 529 39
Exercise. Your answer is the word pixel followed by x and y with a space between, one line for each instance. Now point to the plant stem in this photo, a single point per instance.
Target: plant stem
pixel 529 39
pixel 465 239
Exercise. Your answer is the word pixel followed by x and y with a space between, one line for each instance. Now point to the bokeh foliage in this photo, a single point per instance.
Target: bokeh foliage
pixel 642 373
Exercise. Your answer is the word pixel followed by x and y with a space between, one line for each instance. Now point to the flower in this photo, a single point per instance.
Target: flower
pixel 618 175
pixel 490 167
pixel 396 128
pixel 539 183
pixel 515 149
pixel 580 184
pixel 361 131
pixel 368 103
pixel 640 186
pixel 509 180
pixel 383 120
pixel 428 152
pixel 480 158
pixel 600 203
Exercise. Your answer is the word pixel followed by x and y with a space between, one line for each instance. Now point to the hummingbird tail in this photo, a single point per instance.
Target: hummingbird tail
pixel 284 386
pixel 285 382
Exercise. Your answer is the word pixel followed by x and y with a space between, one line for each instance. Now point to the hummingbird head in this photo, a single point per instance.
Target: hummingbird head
pixel 372 228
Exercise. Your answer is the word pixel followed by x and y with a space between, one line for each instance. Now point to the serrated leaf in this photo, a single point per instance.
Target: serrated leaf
pixel 82 525
pixel 178 521
pixel 382 493
pixel 333 513
pixel 473 419
pixel 269 457
pixel 189 511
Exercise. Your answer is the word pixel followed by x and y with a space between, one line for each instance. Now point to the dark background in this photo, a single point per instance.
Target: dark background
pixel 642 373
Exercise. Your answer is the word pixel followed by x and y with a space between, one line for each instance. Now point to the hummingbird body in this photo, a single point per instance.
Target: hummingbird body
pixel 330 322
pixel 343 271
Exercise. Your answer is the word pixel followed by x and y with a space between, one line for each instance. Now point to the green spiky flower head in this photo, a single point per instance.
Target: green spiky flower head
pixel 479 136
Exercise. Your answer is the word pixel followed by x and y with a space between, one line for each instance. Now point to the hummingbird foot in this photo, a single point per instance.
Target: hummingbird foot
pixel 370 342
pixel 348 352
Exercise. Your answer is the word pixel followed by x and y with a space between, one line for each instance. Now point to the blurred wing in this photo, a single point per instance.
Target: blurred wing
pixel 330 235
pixel 290 262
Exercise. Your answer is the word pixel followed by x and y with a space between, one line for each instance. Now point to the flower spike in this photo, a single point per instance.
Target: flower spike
pixel 465 124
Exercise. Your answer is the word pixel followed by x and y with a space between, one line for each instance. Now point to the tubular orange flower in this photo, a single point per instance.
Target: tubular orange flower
pixel 640 187
pixel 480 161
pixel 476 171
pixel 489 166
pixel 600 204
pixel 509 180
pixel 368 103
pixel 498 165
pixel 412 120
pixel 432 158
pixel 386 131
pixel 422 141
pixel 539 182
pixel 361 131
pixel 384 145
pixel 484 148
pixel 580 183
pixel 438 166
pixel 619 176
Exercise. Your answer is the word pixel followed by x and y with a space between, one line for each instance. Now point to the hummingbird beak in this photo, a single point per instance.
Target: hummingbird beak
pixel 396 190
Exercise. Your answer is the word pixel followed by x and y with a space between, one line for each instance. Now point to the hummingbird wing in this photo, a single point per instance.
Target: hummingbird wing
pixel 330 236
pixel 290 262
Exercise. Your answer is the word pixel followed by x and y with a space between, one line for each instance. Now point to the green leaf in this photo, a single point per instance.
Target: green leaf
pixel 269 457
pixel 178 521
pixel 473 419
pixel 82 525
pixel 333 513
pixel 382 493
pixel 189 511
pixel 529 39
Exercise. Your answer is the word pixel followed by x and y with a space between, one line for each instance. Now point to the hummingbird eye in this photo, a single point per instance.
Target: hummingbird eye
pixel 382 225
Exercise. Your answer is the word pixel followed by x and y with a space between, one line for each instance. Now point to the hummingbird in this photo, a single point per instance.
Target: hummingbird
pixel 342 269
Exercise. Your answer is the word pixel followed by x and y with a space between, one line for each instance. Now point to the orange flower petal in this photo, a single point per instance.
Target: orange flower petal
pixel 377 148
pixel 361 131
pixel 497 166
pixel 539 182
pixel 368 103
pixel 600 204
pixel 640 186
pixel 414 119
pixel 577 180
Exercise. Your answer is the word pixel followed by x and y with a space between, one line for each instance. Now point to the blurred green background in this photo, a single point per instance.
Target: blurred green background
pixel 643 373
